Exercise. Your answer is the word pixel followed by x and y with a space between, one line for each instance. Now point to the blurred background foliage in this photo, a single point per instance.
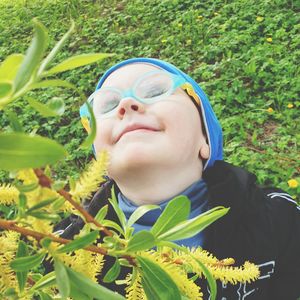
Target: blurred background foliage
pixel 244 54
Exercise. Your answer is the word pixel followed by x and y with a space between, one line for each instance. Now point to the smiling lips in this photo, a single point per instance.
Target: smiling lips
pixel 134 127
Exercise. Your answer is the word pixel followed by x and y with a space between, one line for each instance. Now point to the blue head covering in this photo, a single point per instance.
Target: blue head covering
pixel 211 123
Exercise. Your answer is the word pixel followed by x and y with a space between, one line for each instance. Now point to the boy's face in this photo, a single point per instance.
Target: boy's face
pixel 165 134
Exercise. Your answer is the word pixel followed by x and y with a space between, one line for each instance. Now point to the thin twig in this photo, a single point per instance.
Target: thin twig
pixel 11 225
pixel 45 181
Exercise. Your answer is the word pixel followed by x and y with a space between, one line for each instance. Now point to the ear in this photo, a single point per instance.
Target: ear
pixel 204 151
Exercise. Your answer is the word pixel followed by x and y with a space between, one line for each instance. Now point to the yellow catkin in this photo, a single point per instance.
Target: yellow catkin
pixel 186 286
pixel 88 263
pixel 40 194
pixel 8 194
pixel 40 225
pixel 8 248
pixel 27 176
pixel 246 273
pixel 134 290
pixel 91 179
pixel 68 207
pixel 220 269
pixel 204 256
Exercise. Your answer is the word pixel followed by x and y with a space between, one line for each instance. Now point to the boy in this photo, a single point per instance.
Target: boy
pixel 165 140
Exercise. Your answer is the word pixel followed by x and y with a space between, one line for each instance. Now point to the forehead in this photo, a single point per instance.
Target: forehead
pixel 125 76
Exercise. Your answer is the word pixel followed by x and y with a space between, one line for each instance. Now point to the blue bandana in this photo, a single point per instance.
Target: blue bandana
pixel 212 126
pixel 197 193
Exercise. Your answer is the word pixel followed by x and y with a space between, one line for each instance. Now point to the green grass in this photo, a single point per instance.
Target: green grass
pixel 244 54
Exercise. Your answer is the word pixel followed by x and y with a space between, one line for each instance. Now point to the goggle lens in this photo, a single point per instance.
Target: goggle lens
pixel 152 87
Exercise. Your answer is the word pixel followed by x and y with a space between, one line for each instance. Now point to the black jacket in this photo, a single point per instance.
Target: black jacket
pixel 262 226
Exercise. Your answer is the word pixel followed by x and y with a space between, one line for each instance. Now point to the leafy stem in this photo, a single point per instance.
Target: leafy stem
pixel 45 181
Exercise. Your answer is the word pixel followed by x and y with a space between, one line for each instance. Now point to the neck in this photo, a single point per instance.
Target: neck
pixel 152 186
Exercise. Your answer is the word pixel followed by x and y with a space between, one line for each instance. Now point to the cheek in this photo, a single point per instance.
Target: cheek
pixel 184 131
pixel 184 123
pixel 103 137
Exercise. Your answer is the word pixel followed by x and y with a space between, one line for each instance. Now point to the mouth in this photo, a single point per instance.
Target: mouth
pixel 135 127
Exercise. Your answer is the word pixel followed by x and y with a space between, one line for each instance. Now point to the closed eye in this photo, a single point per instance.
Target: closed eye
pixel 154 92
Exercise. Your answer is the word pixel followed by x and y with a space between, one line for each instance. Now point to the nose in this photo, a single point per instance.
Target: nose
pixel 129 105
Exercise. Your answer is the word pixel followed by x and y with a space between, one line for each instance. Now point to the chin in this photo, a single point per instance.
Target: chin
pixel 133 158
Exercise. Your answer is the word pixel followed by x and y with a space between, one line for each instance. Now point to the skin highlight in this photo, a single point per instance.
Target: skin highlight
pixel 156 150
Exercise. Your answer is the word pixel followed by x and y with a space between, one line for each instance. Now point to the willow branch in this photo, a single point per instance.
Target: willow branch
pixel 45 181
pixel 11 225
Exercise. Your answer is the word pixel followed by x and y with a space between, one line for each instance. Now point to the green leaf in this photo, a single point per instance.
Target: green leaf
pixel 58 185
pixel 44 215
pixel 92 134
pixel 22 201
pixel 25 188
pixel 113 201
pixel 157 283
pixel 114 225
pixel 47 171
pixel 177 210
pixel 76 293
pixel 57 204
pixel 109 241
pixel 150 293
pixel 22 249
pixel 14 121
pixel 142 240
pixel 101 214
pixel 11 293
pixel 92 289
pixel 139 212
pixel 57 83
pixel 21 151
pixel 211 280
pixel 56 49
pixel 10 66
pixel 72 183
pixel 36 276
pixel 55 107
pixel 45 242
pixel 46 281
pixel 77 61
pixel 189 228
pixel 52 83
pixel 22 276
pixel 125 262
pixel 33 55
pixel 27 262
pixel 45 296
pixel 42 204
pixel 113 272
pixel 6 89
pixel 80 242
pixel 62 278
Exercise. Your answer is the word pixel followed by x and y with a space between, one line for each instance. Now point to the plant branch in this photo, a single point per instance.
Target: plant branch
pixel 11 225
pixel 45 181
